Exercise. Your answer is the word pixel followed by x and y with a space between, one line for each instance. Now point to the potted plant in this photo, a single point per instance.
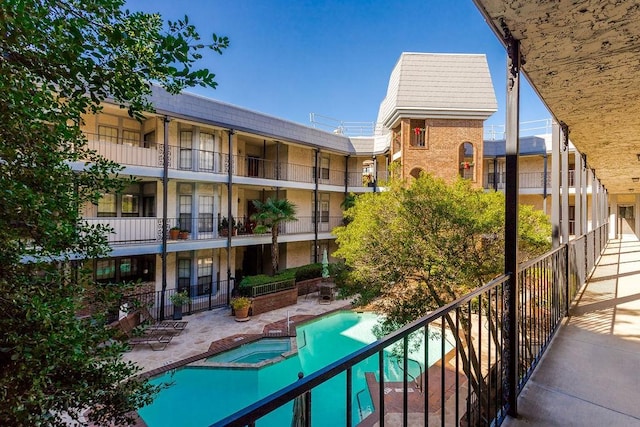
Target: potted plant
pixel 179 299
pixel 183 234
pixel 174 232
pixel 240 306
pixel 223 228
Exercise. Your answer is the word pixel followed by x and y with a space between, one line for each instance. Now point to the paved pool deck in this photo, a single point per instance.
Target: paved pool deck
pixel 216 325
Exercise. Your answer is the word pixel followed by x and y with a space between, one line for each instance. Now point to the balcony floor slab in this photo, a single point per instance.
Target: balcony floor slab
pixel 590 375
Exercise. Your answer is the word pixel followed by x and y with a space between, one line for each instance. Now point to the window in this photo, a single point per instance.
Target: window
pixel 150 139
pixel 206 151
pixel 130 269
pixel 324 168
pixel 205 218
pixel 466 165
pixel 185 149
pixel 131 138
pixel 108 134
pixel 185 213
pixel 105 270
pixel 184 275
pixel 253 166
pixel 205 275
pixel 418 132
pixel 418 137
pixel 107 205
pixel 130 205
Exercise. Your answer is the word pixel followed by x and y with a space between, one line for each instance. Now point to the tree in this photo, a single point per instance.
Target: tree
pixel 270 214
pixel 413 249
pixel 60 59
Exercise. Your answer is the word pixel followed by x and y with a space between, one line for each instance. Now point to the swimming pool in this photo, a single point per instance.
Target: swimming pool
pixel 200 396
pixel 255 352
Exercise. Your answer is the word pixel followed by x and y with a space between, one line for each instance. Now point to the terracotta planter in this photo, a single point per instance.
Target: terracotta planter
pixel 242 314
pixel 173 234
pixel 183 235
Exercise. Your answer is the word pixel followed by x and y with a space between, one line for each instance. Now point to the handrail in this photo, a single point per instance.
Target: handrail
pixel 304 336
pixel 360 403
pixel 414 379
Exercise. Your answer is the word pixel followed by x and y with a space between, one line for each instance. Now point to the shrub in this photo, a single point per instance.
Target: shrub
pixel 307 272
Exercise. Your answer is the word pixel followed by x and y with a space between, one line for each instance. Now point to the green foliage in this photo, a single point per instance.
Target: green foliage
pixel 421 246
pixel 60 60
pixel 269 215
pixel 263 279
pixel 180 298
pixel 307 272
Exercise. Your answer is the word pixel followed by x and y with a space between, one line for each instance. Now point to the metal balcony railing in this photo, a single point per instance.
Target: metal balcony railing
pixel 203 227
pixel 467 387
pixel 526 180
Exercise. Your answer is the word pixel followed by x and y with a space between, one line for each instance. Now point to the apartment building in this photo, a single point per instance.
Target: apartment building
pixel 199 164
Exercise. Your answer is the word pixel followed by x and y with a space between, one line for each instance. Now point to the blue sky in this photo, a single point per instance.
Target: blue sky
pixel 288 58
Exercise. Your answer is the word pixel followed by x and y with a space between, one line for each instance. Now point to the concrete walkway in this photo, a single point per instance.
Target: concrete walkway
pixel 590 375
pixel 208 326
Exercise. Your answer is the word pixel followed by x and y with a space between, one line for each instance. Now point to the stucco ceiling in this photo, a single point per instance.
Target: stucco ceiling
pixel 583 58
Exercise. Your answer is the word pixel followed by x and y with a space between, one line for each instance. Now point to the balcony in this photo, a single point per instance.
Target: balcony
pixel 129 231
pixel 466 385
pixel 126 152
pixel 527 180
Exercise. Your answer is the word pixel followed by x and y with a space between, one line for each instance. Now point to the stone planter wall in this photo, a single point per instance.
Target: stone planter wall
pixel 269 302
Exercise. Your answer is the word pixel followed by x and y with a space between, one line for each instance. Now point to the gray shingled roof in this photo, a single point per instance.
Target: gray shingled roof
pixel 529 145
pixel 438 85
pixel 205 110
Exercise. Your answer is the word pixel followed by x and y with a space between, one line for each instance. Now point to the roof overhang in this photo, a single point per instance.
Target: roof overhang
pixel 582 59
pixel 393 119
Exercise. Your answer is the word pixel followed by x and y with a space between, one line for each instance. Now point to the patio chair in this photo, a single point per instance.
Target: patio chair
pixel 174 327
pixel 154 339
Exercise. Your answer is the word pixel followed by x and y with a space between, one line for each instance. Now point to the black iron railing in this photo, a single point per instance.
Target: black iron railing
pixel 465 369
pixel 203 296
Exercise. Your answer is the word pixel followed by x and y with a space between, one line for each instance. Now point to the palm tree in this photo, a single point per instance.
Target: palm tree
pixel 269 215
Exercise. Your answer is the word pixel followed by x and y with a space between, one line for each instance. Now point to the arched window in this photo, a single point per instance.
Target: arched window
pixel 466 160
pixel 415 172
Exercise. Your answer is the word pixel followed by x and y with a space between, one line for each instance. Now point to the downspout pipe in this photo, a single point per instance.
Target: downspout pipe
pixel 230 133
pixel 316 205
pixel 165 195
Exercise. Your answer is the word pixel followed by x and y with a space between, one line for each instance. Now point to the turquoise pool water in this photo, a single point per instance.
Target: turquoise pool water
pixel 255 352
pixel 201 396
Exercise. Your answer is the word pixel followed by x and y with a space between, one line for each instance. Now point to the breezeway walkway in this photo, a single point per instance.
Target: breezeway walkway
pixel 590 375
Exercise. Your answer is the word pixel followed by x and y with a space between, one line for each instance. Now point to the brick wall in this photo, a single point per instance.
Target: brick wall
pixel 265 303
pixel 440 155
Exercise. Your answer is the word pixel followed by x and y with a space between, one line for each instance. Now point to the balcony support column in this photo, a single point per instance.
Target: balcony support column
pixel 230 134
pixel 577 183
pixel 555 184
pixel 564 221
pixel 583 195
pixel 316 206
pixel 594 200
pixel 511 222
pixel 346 176
pixel 165 195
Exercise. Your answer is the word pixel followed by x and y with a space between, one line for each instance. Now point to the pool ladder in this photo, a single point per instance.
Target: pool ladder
pixel 418 384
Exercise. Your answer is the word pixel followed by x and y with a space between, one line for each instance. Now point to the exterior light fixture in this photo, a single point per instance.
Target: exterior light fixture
pixel 638 156
pixel 635 179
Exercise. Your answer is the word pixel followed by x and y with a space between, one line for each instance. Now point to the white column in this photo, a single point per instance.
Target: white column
pixel 577 197
pixel 564 179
